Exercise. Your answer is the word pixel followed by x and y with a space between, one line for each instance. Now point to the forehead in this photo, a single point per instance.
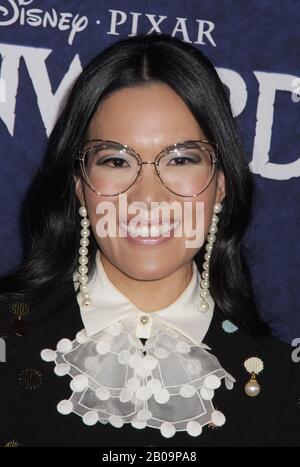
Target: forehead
pixel 144 116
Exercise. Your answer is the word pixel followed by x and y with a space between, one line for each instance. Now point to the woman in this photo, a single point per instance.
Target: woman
pixel 156 338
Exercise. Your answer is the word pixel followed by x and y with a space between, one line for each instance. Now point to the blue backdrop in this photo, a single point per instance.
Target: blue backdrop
pixel 254 46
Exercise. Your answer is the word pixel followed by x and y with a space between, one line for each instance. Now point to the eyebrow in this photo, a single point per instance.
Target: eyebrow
pixel 181 141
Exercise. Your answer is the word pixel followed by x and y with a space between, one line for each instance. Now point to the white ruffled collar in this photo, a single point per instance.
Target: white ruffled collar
pixel 168 383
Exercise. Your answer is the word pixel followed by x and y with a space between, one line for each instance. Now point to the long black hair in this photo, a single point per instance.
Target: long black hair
pixel 51 216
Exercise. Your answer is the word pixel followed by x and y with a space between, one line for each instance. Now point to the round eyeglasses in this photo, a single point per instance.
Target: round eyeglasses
pixel 185 168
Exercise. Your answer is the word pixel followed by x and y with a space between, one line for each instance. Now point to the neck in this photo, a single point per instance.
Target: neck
pixel 149 295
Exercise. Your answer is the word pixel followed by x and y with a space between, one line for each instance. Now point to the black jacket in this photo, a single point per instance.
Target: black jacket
pixel 30 391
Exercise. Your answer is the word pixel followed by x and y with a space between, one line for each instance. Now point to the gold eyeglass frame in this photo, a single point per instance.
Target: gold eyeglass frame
pixel 124 147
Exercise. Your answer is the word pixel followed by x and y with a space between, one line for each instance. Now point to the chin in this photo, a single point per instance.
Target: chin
pixel 149 271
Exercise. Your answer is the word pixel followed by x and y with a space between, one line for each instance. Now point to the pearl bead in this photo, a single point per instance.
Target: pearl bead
pixel 213 229
pixel 86 302
pixel 85 232
pixel 217 208
pixel 205 284
pixel 252 388
pixel 84 241
pixel 83 260
pixel 83 279
pixel 203 305
pixel 209 247
pixel 211 238
pixel 82 270
pixel 205 274
pixel 83 288
pixel 85 223
pixel 83 251
pixel 207 256
pixel 83 211
pixel 206 265
pixel 204 293
pixel 215 219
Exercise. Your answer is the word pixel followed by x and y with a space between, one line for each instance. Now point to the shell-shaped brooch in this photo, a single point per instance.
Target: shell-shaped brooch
pixel 254 366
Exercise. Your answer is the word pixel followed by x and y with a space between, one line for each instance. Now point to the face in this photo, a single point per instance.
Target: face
pixel 148 119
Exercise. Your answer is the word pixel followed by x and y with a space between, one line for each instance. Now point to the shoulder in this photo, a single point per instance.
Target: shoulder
pixel 277 356
pixel 38 306
pixel 269 346
pixel 277 408
pixel 31 324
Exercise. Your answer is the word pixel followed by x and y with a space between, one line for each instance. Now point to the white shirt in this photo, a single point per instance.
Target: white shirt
pixel 110 305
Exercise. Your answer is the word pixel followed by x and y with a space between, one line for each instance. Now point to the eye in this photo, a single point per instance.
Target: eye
pixel 115 162
pixel 183 157
pixel 183 160
pixel 110 158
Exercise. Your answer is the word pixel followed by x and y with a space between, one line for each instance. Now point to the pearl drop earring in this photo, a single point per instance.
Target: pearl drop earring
pixel 83 259
pixel 211 238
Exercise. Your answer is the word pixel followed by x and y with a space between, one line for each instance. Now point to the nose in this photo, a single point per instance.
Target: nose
pixel 148 186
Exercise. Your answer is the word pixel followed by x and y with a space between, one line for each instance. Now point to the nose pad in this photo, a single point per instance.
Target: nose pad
pixel 148 186
pixel 152 175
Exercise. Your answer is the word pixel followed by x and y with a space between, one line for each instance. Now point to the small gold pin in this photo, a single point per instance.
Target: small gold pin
pixel 143 328
pixel 144 319
pixel 254 366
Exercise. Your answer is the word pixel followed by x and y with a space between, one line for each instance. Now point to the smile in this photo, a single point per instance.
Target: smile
pixel 149 235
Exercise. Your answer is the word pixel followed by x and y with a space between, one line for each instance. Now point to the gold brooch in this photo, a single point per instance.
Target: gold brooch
pixel 11 444
pixel 20 311
pixel 254 366
pixel 30 378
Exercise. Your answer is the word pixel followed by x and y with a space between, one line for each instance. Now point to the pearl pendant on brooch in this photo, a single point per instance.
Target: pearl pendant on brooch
pixel 252 388
pixel 254 366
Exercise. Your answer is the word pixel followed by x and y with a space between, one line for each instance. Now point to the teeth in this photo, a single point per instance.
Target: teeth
pixel 143 230
pixel 153 231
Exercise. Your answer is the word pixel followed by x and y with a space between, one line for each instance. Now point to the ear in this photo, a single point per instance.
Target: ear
pixel 220 188
pixel 79 189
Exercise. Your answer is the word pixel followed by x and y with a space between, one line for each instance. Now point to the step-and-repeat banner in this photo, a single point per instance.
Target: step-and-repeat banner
pixel 254 45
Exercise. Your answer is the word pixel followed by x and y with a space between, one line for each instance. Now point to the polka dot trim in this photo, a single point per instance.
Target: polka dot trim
pixel 65 407
pixel 64 346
